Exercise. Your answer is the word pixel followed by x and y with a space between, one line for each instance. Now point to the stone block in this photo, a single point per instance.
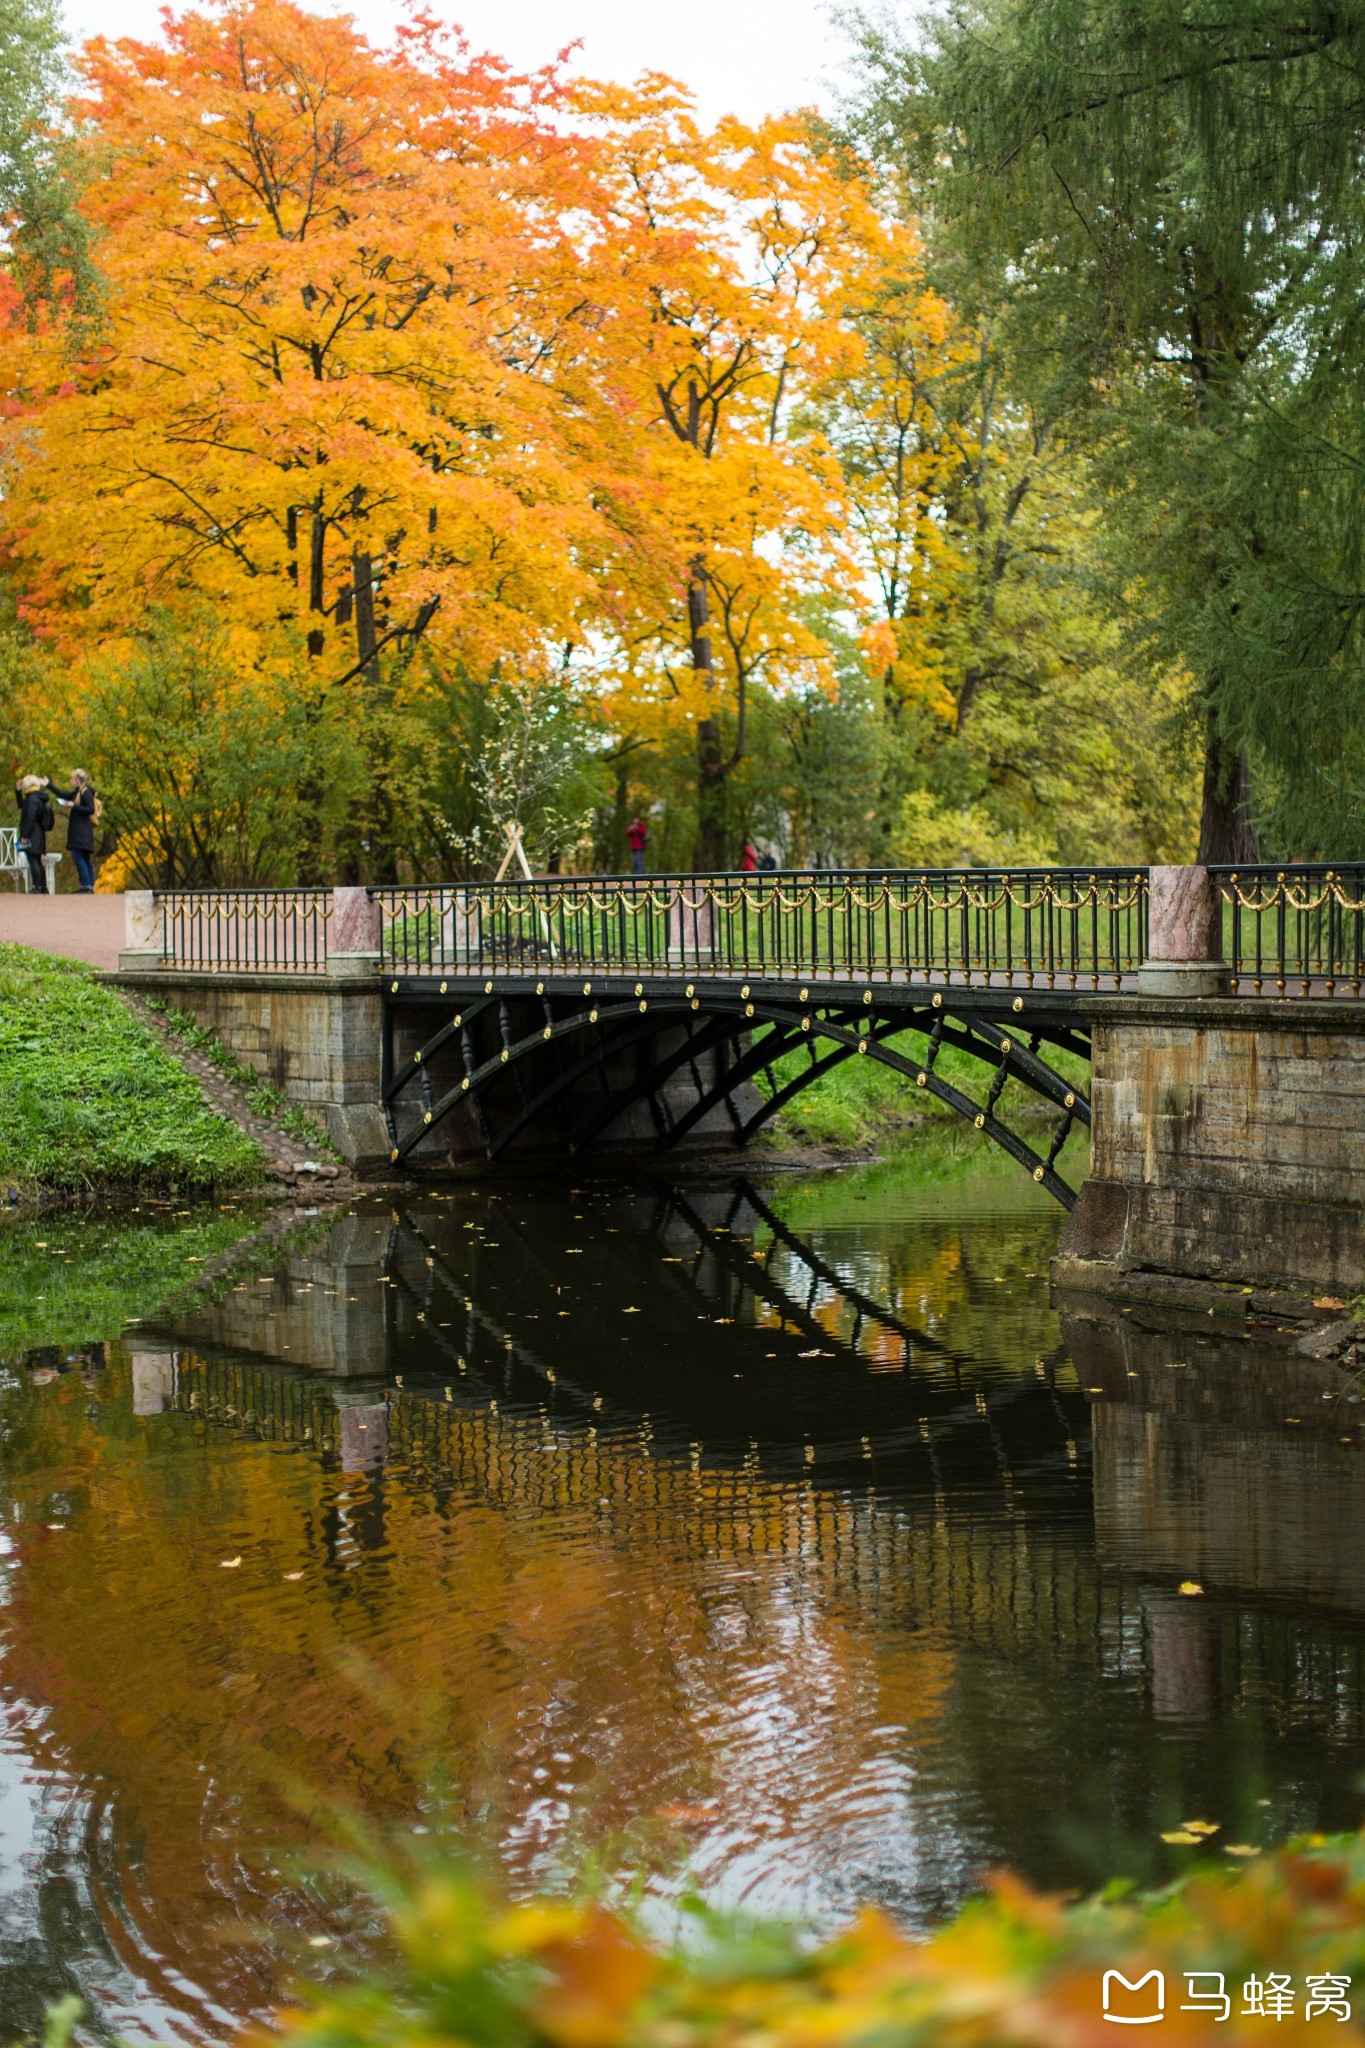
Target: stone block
pixel 361 1136
pixel 1232 1149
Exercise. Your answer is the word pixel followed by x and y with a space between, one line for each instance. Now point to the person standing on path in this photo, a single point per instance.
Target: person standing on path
pixel 748 860
pixel 637 838
pixel 80 801
pixel 35 822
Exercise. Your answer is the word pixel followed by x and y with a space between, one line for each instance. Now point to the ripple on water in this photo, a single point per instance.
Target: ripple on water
pixel 806 1575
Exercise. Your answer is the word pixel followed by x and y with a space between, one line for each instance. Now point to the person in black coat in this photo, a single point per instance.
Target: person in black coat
pixel 79 804
pixel 35 822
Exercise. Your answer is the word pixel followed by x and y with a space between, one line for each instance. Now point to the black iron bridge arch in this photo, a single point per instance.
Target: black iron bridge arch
pixel 561 1012
pixel 528 1055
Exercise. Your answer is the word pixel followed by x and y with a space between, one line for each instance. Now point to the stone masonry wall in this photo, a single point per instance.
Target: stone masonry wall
pixel 316 1037
pixel 1228 1143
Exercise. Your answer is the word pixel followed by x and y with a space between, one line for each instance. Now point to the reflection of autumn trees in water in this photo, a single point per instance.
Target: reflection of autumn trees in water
pixel 838 1616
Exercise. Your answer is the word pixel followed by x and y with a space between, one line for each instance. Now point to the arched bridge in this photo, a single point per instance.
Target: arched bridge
pixel 539 1020
pixel 676 1007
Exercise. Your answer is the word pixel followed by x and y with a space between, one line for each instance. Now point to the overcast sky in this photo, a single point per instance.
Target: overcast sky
pixel 749 59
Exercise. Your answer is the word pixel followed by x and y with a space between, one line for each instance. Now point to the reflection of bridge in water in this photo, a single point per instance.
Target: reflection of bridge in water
pixel 857 1381
pixel 869 1447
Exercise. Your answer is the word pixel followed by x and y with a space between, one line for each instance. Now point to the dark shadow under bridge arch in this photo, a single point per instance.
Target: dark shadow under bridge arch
pixel 547 1069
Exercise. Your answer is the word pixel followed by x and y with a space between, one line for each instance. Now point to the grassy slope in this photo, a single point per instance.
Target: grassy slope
pixel 89 1099
pixel 862 1102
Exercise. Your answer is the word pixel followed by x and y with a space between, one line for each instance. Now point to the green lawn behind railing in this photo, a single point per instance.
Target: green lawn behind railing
pixel 862 1104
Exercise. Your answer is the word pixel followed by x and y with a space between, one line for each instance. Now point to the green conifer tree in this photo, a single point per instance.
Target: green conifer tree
pixel 1163 202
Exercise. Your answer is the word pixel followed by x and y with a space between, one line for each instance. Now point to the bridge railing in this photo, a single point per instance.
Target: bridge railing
pixel 1053 927
pixel 269 931
pixel 1301 924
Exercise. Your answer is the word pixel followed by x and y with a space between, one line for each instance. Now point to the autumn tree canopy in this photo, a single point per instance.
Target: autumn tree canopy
pixel 417 382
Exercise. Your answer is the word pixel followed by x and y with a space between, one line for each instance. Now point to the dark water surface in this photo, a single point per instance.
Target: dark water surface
pixel 784 1526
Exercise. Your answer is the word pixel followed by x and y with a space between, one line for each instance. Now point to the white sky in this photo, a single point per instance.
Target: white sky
pixel 750 59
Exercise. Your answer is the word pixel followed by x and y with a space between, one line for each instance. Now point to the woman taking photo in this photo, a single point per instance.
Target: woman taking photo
pixel 80 801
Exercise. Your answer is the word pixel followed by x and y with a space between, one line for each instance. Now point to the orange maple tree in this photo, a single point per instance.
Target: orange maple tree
pixel 344 380
pixel 739 249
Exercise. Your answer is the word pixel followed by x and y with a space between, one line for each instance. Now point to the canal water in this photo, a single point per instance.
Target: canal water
pixel 776 1537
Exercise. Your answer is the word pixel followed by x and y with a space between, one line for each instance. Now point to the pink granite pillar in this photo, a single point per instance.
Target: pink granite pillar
pixel 353 941
pixel 1184 934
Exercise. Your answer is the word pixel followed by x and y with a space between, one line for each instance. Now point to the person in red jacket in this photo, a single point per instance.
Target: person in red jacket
pixel 637 838
pixel 748 860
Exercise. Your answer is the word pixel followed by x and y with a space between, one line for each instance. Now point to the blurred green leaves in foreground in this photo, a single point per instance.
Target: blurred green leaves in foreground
pixel 1014 1967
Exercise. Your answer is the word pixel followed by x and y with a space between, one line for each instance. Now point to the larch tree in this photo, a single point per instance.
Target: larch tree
pixel 1162 205
pixel 46 238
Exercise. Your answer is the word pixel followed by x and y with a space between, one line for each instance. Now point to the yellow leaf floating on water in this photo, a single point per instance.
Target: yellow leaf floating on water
pixel 1190 1588
pixel 1240 1849
pixel 228 1564
pixel 1201 1827
pixel 293 1575
pixel 1183 1836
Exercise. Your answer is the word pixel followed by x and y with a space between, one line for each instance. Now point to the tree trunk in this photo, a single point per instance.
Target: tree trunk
pixel 712 848
pixel 363 584
pixel 713 839
pixel 1227 829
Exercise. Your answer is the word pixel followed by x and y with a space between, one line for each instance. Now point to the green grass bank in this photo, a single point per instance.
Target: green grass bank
pixel 90 1101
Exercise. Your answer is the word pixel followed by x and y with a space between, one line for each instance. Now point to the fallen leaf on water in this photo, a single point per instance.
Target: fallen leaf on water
pixel 293 1575
pixel 1190 1587
pixel 817 1353
pixel 1183 1836
pixel 679 1812
pixel 1328 1301
pixel 630 1311
pixel 1201 1827
pixel 1240 1849
pixel 228 1564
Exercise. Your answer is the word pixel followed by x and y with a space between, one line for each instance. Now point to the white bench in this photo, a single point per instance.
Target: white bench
pixel 12 862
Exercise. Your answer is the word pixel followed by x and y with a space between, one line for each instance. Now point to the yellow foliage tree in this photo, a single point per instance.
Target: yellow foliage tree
pixel 739 250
